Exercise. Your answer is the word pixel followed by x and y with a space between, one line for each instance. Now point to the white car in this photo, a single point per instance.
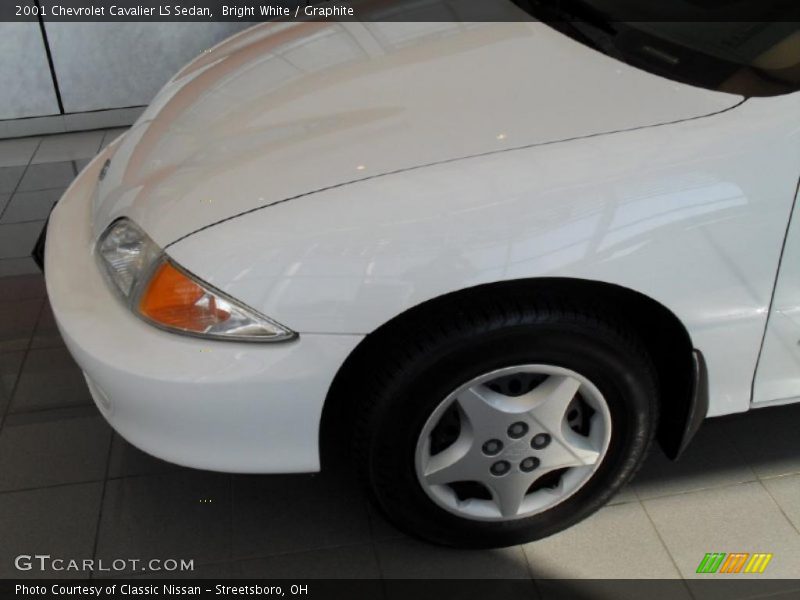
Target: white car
pixel 496 259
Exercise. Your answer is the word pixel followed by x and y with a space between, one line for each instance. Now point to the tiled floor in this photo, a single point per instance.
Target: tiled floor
pixel 70 486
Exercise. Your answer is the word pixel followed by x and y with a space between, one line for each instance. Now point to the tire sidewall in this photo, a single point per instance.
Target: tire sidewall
pixel 621 375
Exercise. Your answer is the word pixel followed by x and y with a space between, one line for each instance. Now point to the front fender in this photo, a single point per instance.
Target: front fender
pixel 683 213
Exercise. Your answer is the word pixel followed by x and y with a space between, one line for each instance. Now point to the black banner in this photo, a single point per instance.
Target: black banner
pixel 406 589
pixel 398 10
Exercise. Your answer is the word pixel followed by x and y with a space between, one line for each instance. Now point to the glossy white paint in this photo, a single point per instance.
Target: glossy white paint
pixel 339 174
pixel 778 375
pixel 686 214
pixel 290 109
pixel 234 407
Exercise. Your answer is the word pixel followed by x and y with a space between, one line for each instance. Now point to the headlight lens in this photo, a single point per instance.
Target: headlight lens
pixel 168 296
pixel 128 254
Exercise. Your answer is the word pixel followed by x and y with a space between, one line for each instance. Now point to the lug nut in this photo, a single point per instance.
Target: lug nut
pixel 529 464
pixel 492 447
pixel 540 440
pixel 501 467
pixel 517 430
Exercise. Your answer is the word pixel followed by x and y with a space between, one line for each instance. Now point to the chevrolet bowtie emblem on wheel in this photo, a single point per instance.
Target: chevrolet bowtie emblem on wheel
pixel 104 170
pixel 735 562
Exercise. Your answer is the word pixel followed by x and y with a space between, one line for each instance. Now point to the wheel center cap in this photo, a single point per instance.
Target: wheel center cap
pixel 517 449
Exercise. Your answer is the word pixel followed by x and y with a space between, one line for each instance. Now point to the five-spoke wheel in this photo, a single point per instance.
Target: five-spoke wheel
pixel 492 423
pixel 518 450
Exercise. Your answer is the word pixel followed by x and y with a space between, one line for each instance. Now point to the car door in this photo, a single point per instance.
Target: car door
pixel 777 379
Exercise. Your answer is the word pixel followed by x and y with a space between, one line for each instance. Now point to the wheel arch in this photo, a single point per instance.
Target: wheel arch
pixel 662 332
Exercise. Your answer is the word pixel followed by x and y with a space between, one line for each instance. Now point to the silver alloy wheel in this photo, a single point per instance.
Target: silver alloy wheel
pixel 517 443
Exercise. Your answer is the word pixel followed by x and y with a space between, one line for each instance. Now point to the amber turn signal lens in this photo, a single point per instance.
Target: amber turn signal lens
pixel 175 300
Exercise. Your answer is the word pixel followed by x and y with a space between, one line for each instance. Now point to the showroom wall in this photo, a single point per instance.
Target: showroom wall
pixel 108 67
pixel 23 61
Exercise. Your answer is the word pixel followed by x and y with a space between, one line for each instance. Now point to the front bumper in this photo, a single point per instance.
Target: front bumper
pixel 225 406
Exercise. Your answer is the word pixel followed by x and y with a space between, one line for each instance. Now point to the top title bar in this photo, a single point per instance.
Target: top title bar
pixel 400 10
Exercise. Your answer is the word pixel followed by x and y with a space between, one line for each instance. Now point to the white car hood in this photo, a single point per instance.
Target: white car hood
pixel 283 110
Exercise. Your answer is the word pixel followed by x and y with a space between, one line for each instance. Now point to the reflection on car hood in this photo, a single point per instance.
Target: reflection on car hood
pixel 285 109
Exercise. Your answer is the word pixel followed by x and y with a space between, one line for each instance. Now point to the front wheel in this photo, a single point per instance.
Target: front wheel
pixel 505 427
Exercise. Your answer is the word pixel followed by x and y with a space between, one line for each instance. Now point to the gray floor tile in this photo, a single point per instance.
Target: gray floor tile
pixel 53 447
pixel 59 521
pixel 348 562
pixel 617 542
pixel 786 492
pixel 17 152
pixel 31 206
pixel 17 322
pixel 104 119
pixel 15 267
pixel 21 287
pixel 31 126
pixel 81 164
pixel 50 379
pixel 4 199
pixel 625 495
pixel 737 518
pixel 404 559
pixel 17 240
pixel 68 146
pixel 49 176
pixel 9 178
pixel 767 439
pixel 127 461
pixel 180 515
pixel 710 461
pixel 46 334
pixel 10 366
pixel 380 527
pixel 277 514
pixel 112 134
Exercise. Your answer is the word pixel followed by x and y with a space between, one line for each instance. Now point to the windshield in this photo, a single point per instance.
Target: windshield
pixel 740 57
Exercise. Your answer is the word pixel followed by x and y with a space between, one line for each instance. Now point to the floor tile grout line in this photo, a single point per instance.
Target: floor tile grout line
pixel 102 501
pixel 51 486
pixel 779 476
pixel 47 346
pixel 699 490
pixel 75 158
pixel 17 194
pixel 374 545
pixel 15 387
pixel 2 258
pixel 531 573
pixel 47 189
pixel 100 480
pixel 64 408
pixel 26 222
pixel 21 177
pixel 666 549
pixel 2 352
pixel 779 507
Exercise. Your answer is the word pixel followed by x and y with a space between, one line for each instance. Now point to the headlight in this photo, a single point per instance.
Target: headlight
pixel 166 295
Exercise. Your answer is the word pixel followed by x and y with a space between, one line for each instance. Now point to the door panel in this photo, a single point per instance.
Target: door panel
pixel 778 375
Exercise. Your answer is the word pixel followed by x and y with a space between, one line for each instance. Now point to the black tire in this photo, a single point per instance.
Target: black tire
pixel 429 358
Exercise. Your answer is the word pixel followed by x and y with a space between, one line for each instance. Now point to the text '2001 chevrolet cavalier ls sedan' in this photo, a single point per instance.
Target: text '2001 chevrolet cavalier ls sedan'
pixel 512 254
